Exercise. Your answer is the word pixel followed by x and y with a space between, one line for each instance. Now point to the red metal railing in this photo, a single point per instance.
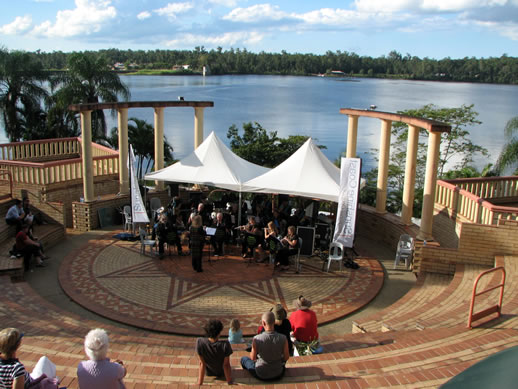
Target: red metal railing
pixel 490 310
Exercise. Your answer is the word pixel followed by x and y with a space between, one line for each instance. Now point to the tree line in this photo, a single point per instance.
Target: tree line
pixel 502 70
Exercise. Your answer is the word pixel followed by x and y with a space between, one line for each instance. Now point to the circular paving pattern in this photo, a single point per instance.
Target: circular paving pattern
pixel 111 278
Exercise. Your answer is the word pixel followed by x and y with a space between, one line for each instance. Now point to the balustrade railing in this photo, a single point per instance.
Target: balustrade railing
pixel 16 158
pixel 468 198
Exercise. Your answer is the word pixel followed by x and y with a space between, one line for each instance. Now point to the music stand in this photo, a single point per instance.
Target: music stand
pixel 210 231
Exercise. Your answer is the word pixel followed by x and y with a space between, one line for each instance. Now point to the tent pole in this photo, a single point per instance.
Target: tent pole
pixel 239 211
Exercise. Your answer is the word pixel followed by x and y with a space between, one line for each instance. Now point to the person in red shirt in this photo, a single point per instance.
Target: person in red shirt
pixel 28 248
pixel 304 321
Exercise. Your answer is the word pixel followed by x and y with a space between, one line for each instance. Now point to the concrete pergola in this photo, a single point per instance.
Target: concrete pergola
pixel 435 129
pixel 85 111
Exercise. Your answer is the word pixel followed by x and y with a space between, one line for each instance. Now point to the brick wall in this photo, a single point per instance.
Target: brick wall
pixel 385 228
pixel 478 244
pixel 85 215
pixel 445 229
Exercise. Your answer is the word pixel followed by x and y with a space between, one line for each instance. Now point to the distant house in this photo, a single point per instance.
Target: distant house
pixel 118 66
pixel 181 67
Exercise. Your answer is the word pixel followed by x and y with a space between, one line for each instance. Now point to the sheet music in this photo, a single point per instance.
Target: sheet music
pixel 210 231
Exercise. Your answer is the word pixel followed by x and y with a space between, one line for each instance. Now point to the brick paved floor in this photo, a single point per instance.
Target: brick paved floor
pixel 111 278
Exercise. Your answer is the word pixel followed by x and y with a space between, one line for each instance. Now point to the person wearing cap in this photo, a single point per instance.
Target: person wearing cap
pixel 304 321
pixel 269 352
pixel 12 371
pixel 282 325
pixel 99 372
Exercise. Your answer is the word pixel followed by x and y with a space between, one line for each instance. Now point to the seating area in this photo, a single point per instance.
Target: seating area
pixel 419 357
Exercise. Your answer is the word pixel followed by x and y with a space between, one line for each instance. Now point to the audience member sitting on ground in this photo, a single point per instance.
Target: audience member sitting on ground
pixel 12 371
pixel 15 215
pixel 269 352
pixel 290 244
pixel 214 354
pixel 282 325
pixel 29 217
pixel 304 322
pixel 98 372
pixel 28 247
pixel 235 335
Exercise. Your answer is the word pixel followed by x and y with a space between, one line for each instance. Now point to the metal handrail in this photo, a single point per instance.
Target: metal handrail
pixel 495 308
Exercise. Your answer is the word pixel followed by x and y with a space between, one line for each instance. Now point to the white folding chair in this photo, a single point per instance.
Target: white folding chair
pixel 405 250
pixel 128 223
pixel 146 242
pixel 336 253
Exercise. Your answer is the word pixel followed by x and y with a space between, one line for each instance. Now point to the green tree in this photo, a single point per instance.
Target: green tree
pixel 456 154
pixel 141 136
pixel 508 157
pixel 89 80
pixel 261 147
pixel 21 93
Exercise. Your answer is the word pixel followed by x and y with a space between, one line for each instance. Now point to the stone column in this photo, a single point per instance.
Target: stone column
pixel 352 136
pixel 159 144
pixel 198 126
pixel 381 194
pixel 410 171
pixel 122 116
pixel 86 149
pixel 432 162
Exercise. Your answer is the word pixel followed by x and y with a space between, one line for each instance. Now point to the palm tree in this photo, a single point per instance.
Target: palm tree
pixel 89 80
pixel 21 92
pixel 509 155
pixel 141 137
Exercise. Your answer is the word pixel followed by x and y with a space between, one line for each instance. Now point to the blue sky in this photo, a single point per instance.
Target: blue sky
pixel 424 28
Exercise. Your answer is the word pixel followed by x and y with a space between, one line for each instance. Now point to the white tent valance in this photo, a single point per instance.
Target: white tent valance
pixel 306 173
pixel 212 163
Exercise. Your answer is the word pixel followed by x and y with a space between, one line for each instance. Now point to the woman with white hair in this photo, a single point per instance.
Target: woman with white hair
pixel 99 372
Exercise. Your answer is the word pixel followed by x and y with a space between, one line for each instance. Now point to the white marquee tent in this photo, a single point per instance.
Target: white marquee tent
pixel 212 163
pixel 306 173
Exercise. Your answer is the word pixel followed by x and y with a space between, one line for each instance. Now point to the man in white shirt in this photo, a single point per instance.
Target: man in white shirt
pixel 15 215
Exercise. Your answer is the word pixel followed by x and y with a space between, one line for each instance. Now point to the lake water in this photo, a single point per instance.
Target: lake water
pixel 310 106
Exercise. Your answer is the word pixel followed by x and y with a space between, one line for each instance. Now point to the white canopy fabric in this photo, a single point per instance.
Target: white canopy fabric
pixel 212 163
pixel 306 173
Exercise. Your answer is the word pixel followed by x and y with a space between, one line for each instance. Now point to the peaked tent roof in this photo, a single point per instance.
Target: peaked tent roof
pixel 306 173
pixel 212 163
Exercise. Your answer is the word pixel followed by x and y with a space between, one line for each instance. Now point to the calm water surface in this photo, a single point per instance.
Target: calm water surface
pixel 310 106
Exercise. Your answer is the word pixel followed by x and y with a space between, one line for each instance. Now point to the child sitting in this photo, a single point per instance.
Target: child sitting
pixel 235 335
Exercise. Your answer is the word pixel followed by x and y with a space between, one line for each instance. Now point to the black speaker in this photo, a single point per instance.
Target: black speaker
pixel 308 239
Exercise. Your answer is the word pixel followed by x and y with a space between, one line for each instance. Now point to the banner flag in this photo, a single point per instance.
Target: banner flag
pixel 347 201
pixel 138 211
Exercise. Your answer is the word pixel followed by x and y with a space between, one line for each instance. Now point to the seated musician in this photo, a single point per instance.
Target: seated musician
pixel 271 239
pixel 289 247
pixel 250 229
pixel 202 212
pixel 160 230
pixel 221 234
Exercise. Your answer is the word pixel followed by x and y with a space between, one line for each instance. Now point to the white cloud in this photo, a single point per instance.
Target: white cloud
pixel 425 5
pixel 20 25
pixel 143 15
pixel 89 16
pixel 226 39
pixel 509 30
pixel 173 9
pixel 224 3
pixel 330 16
pixel 256 13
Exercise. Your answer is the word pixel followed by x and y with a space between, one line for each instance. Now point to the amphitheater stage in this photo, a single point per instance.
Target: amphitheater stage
pixel 111 278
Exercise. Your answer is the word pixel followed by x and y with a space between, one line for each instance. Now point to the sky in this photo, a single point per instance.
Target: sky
pixel 424 28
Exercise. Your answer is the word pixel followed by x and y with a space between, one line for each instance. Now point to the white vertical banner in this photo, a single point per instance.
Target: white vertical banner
pixel 347 201
pixel 138 211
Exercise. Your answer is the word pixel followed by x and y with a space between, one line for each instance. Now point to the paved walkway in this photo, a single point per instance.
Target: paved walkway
pixel 111 278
